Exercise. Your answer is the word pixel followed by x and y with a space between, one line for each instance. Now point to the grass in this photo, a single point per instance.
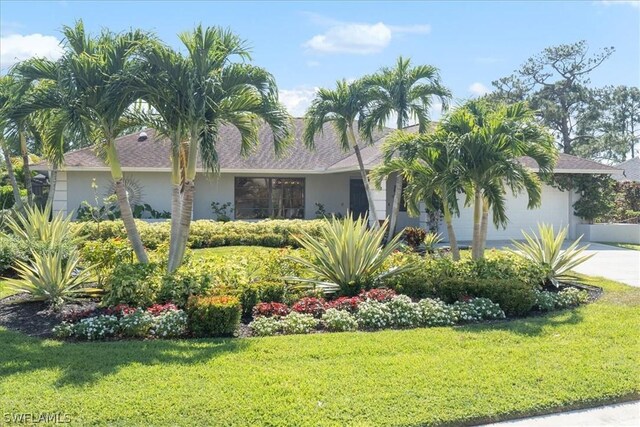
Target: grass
pixel 631 246
pixel 413 377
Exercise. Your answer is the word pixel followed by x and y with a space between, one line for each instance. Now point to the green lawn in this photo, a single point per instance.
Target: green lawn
pixel 413 377
pixel 624 245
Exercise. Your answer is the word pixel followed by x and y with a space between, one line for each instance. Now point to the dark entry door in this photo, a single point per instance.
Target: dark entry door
pixel 358 204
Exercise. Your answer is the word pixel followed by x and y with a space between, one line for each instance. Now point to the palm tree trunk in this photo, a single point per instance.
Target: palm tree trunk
pixel 395 206
pixel 484 224
pixel 12 178
pixel 373 217
pixel 477 219
pixel 123 203
pixel 453 242
pixel 53 179
pixel 176 205
pixel 25 167
pixel 186 210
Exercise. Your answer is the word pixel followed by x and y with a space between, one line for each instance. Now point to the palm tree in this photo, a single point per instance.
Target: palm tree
pixel 490 139
pixel 8 95
pixel 408 93
pixel 428 164
pixel 90 84
pixel 196 95
pixel 341 107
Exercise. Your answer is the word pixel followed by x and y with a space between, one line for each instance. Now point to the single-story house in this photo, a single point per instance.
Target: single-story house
pixel 631 170
pixel 294 186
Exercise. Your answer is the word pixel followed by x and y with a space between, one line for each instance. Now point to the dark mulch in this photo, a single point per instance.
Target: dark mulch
pixel 34 318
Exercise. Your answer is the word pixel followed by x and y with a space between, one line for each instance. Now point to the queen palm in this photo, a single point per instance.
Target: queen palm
pixel 199 93
pixel 9 93
pixel 91 78
pixel 341 107
pixel 406 92
pixel 490 140
pixel 428 164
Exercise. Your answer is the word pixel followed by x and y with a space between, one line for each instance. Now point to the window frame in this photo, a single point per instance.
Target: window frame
pixel 270 186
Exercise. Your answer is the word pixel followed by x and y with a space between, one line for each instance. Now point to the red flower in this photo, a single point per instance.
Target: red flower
pixel 120 310
pixel 269 309
pixel 158 309
pixel 310 305
pixel 378 294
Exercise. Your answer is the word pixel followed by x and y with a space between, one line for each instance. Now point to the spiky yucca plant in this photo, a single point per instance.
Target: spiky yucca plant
pixel 347 256
pixel 53 277
pixel 547 252
pixel 34 226
pixel 431 240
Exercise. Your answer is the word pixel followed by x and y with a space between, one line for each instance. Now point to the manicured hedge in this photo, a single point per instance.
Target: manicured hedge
pixel 209 234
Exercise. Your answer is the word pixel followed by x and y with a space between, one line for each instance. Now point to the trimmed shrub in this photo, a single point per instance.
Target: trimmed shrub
pixel 255 293
pixel 213 316
pixel 515 298
pixel 298 323
pixel 132 284
pixel 339 320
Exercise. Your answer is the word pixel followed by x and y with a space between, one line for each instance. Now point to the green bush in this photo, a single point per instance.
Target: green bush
pixel 256 292
pixel 105 256
pixel 213 316
pixel 6 196
pixel 207 233
pixel 132 284
pixel 11 250
pixel 514 297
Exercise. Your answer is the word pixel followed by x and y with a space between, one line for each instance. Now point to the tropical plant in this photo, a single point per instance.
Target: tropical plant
pixel 91 85
pixel 347 257
pixel 430 167
pixel 546 251
pixel 53 277
pixel 38 225
pixel 431 241
pixel 196 94
pixel 489 141
pixel 341 107
pixel 408 93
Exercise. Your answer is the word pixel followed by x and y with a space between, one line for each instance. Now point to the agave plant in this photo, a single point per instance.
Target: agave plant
pixel 347 256
pixel 546 251
pixel 431 240
pixel 53 277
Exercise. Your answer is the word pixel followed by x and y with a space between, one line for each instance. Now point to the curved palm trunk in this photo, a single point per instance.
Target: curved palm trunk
pixel 12 178
pixel 186 210
pixel 125 207
pixel 25 168
pixel 53 179
pixel 395 206
pixel 373 217
pixel 448 220
pixel 484 224
pixel 477 219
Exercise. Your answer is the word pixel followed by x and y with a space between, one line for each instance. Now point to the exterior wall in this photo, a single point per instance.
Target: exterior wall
pixel 155 186
pixel 613 233
pixel 555 209
pixel 60 196
pixel 404 220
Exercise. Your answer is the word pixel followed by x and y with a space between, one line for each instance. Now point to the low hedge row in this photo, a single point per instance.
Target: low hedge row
pixel 207 233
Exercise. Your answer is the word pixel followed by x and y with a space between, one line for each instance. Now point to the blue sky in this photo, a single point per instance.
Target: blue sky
pixel 311 44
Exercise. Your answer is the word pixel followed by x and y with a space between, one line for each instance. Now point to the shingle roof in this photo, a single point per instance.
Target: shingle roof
pixel 631 170
pixel 153 154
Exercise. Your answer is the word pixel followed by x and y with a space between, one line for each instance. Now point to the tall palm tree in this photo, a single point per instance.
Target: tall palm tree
pixel 428 164
pixel 341 107
pixel 490 140
pixel 8 95
pixel 90 84
pixel 196 95
pixel 407 92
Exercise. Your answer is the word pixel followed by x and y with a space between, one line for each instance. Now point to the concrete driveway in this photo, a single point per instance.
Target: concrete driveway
pixel 621 265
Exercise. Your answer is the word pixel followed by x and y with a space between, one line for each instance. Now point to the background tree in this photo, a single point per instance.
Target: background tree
pixel 555 82
pixel 341 107
pixel 8 92
pixel 406 92
pixel 490 139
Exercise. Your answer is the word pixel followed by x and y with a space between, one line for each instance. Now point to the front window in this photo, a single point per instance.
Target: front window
pixel 258 198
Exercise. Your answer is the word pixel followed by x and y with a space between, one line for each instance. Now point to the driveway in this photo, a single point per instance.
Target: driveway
pixel 621 265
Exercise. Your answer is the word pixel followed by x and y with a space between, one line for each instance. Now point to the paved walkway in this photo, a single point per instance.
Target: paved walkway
pixel 620 415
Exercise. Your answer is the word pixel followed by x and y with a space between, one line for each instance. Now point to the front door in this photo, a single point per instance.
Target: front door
pixel 358 204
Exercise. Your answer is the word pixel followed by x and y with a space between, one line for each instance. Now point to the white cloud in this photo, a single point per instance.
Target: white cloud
pixel 297 100
pixel 634 3
pixel 16 47
pixel 358 38
pixel 478 88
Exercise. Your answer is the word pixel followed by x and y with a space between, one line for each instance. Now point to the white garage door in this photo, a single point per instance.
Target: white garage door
pixel 553 210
